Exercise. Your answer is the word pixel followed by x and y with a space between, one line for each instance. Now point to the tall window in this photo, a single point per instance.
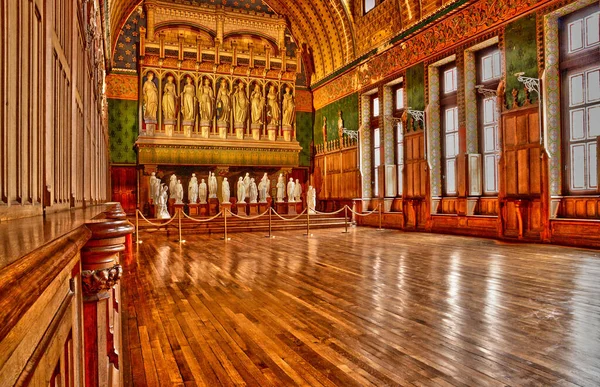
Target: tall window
pixel 377 154
pixel 449 118
pixel 489 71
pixel 368 5
pixel 398 93
pixel 580 71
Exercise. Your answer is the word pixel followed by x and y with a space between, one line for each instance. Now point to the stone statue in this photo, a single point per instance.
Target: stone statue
pixel 223 103
pixel 267 186
pixel 193 189
pixel 273 104
pixel 280 188
pixel 241 191
pixel 188 100
pixel 154 187
pixel 311 199
pixel 247 184
pixel 258 103
pixel 253 191
pixel 150 98
pixel 289 107
pixel 261 191
pixel 225 192
pixel 202 191
pixel 212 186
pixel 290 190
pixel 168 101
pixel 173 185
pixel 206 100
pixel 179 193
pixel 163 198
pixel 240 105
pixel 297 191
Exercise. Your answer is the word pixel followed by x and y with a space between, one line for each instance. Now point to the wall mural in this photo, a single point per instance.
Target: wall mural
pixel 122 128
pixel 454 29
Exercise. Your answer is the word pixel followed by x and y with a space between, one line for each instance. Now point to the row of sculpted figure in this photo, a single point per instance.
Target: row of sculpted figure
pixel 247 189
pixel 226 105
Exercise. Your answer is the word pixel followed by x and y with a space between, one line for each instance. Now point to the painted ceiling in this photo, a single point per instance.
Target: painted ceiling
pixel 323 26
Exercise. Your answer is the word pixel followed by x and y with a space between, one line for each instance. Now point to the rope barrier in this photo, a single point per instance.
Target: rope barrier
pixel 157 224
pixel 282 218
pixel 202 220
pixel 361 214
pixel 249 217
pixel 331 213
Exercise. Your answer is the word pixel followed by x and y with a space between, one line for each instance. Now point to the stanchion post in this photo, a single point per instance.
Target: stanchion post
pixel 225 223
pixel 137 226
pixel 179 213
pixel 270 209
pixel 307 224
pixel 345 219
pixel 380 216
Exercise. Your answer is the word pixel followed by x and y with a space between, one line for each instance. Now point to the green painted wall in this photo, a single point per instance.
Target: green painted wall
pixel 415 88
pixel 349 107
pixel 304 135
pixel 123 130
pixel 521 56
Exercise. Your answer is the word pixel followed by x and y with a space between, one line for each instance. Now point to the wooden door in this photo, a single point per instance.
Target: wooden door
pixel 124 187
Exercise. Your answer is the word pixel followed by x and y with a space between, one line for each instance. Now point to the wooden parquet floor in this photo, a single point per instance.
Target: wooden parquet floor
pixel 365 308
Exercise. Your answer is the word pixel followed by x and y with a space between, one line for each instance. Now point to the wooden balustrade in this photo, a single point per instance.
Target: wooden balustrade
pixel 60 321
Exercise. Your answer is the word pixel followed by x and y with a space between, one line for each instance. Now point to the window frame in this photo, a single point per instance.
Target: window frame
pixel 491 84
pixel 397 113
pixel 447 101
pixel 375 125
pixel 581 60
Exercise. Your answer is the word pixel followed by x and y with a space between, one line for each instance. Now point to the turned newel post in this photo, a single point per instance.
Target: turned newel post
pixel 101 272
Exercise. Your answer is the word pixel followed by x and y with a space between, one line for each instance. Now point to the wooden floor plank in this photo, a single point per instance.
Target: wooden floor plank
pixel 364 308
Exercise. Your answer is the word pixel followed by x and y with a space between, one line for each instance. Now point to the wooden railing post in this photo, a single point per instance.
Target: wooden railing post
pixel 101 272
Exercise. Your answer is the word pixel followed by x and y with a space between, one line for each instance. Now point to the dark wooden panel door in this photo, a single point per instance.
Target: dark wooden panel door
pixel 124 183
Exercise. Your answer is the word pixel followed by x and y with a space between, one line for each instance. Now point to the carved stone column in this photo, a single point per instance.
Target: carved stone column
pixel 101 272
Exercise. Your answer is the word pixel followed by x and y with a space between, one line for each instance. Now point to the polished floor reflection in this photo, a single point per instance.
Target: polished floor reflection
pixel 364 308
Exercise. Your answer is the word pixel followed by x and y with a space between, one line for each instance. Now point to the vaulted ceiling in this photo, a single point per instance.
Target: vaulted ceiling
pixel 323 26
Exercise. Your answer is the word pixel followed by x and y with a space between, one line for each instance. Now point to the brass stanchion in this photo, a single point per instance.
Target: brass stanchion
pixel 307 223
pixel 345 219
pixel 137 227
pixel 180 216
pixel 225 224
pixel 270 236
pixel 379 210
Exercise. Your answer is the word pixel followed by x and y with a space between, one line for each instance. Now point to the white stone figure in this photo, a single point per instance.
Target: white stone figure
pixel 172 185
pixel 247 184
pixel 154 187
pixel 212 186
pixel 241 191
pixel 262 192
pixel 297 191
pixel 202 191
pixel 280 188
pixel 179 193
pixel 162 212
pixel 267 185
pixel 290 190
pixel 150 99
pixel 225 192
pixel 193 189
pixel 311 199
pixel 253 191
